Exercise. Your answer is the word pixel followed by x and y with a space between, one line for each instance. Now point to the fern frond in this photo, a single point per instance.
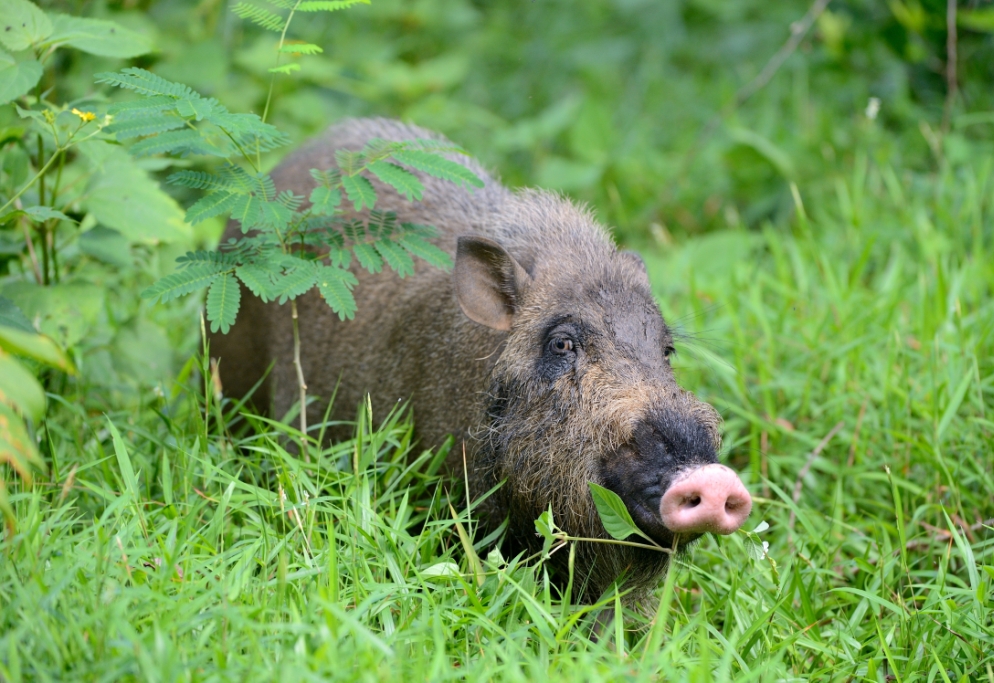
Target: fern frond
pixel 210 205
pixel 179 142
pixel 295 282
pixel 249 129
pixel 400 179
pixel 425 250
pixel 438 166
pixel 140 108
pixel 335 285
pixel 328 5
pixel 395 257
pixel 199 180
pixel 285 68
pixel 258 280
pixel 259 16
pixel 217 258
pixel 182 282
pixel 145 83
pixel 367 257
pixel 134 127
pixel 301 49
pixel 223 300
pixel 359 190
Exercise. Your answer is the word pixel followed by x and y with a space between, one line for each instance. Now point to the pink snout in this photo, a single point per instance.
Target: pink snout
pixel 710 498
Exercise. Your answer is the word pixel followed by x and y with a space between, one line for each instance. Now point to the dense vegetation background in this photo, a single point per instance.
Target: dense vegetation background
pixel 811 187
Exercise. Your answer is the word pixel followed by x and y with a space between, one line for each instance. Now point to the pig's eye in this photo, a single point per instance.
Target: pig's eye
pixel 669 351
pixel 561 345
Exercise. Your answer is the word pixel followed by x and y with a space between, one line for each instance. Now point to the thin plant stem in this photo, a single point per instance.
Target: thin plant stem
pixel 31 253
pixel 301 384
pixel 272 80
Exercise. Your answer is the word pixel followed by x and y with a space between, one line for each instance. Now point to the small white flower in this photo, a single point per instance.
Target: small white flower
pixel 873 108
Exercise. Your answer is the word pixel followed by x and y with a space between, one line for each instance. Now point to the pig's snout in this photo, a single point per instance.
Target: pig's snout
pixel 710 498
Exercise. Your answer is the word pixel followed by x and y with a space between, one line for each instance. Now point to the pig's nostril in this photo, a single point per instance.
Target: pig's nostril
pixel 693 501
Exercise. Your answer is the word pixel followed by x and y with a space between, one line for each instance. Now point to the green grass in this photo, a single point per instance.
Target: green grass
pixel 169 552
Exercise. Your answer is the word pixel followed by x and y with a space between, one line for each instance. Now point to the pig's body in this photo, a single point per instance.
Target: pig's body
pixel 544 352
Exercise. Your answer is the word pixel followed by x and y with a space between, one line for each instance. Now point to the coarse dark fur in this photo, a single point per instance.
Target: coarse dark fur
pixel 579 388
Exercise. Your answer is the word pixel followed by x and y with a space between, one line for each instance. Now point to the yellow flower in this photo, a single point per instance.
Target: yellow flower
pixel 85 116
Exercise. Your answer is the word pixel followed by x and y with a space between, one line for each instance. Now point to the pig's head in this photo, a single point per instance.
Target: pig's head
pixel 583 391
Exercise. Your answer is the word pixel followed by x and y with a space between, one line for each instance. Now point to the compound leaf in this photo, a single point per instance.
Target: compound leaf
pixel 360 191
pixel 325 200
pixel 183 282
pixel 335 285
pixel 396 257
pixel 259 16
pixel 223 300
pixel 425 250
pixel 368 258
pixel 438 166
pixel 210 205
pixel 402 180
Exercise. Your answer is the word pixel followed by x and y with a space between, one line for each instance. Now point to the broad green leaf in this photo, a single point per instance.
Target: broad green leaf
pixel 223 300
pixel 98 37
pixel 19 388
pixel 17 448
pixel 40 214
pixel 368 258
pixel 17 78
pixel 402 180
pixel 183 282
pixel 324 201
pixel 438 166
pixel 336 286
pixel 22 24
pixel 614 515
pixel 395 256
pixel 64 312
pixel 257 279
pixel 360 191
pixel 123 197
pixel 12 316
pixel 107 245
pixel 30 344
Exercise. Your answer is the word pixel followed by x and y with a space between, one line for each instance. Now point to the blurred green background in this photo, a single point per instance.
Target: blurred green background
pixel 628 105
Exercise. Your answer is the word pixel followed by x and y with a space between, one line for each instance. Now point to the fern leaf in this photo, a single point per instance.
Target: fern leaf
pixel 146 125
pixel 328 5
pixel 296 281
pixel 145 83
pixel 274 215
pixel 223 300
pixel 335 285
pixel 249 130
pixel 218 258
pixel 425 250
pixel 324 201
pixel 259 16
pixel 174 142
pixel 400 179
pixel 359 190
pixel 301 49
pixel 198 180
pixel 140 108
pixel 349 162
pixel 285 68
pixel 438 166
pixel 290 200
pixel 182 282
pixel 398 259
pixel 210 205
pixel 198 108
pixel 367 257
pixel 331 178
pixel 258 280
pixel 247 210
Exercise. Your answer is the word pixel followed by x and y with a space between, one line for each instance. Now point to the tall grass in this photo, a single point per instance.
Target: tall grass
pixel 170 545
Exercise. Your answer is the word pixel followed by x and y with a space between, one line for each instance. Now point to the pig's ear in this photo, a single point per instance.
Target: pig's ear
pixel 634 258
pixel 488 282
